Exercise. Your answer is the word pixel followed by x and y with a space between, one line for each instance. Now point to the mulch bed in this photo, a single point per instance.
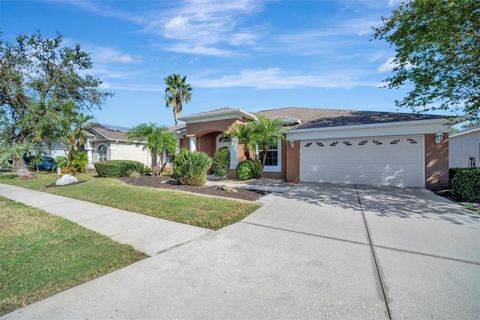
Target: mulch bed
pixel 53 185
pixel 447 193
pixel 167 183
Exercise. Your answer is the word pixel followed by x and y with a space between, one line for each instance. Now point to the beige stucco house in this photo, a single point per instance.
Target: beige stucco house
pixel 464 149
pixel 338 146
pixel 106 142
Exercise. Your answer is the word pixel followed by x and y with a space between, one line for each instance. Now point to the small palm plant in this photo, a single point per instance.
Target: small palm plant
pixel 158 139
pixel 177 92
pixel 74 124
pixel 245 135
pixel 265 131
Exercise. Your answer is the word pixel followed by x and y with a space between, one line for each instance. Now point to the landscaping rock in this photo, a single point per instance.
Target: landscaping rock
pixel 66 179
pixel 225 188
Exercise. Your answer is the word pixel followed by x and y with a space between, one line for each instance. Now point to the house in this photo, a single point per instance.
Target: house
pixel 106 142
pixel 464 149
pixel 338 146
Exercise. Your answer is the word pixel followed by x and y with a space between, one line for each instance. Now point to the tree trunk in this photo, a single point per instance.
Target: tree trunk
pixel 246 152
pixel 175 117
pixel 154 158
pixel 265 150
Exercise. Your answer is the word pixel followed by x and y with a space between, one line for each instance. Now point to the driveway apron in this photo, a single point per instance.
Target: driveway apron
pixel 428 250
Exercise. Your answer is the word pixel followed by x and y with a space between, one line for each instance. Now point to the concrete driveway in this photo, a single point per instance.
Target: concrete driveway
pixel 314 251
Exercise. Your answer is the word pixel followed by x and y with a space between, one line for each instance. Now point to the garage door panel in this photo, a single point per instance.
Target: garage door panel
pixel 396 161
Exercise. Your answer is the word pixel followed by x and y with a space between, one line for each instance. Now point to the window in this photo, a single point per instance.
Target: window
pixel 224 138
pixel 102 153
pixel 272 161
pixel 170 158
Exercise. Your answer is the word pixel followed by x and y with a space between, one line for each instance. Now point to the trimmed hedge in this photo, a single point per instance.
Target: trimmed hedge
pixel 191 168
pixel 221 163
pixel 249 169
pixel 466 184
pixel 118 168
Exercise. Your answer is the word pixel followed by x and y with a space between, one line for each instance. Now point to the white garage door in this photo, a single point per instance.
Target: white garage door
pixel 390 161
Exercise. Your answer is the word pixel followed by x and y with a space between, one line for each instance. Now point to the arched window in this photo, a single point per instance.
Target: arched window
pixel 102 153
pixel 224 138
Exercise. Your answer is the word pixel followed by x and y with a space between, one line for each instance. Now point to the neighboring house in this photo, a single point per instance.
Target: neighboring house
pixel 464 149
pixel 105 142
pixel 338 146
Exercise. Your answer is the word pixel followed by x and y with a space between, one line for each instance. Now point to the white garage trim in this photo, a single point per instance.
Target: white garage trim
pixel 371 130
pixel 387 160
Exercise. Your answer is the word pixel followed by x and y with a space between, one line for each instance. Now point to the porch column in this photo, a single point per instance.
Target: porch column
pixel 233 153
pixel 89 150
pixel 193 143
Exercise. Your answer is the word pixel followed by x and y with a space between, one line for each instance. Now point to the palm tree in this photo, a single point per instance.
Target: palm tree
pixel 245 135
pixel 74 124
pixel 177 92
pixel 158 139
pixel 265 131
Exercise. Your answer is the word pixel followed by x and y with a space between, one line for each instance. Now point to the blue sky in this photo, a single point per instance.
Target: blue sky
pixel 251 54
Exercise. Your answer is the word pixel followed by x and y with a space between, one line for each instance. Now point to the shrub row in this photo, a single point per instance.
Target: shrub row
pixel 117 168
pixel 465 183
pixel 249 169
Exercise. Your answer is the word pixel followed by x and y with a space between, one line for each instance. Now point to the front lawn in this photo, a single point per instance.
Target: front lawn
pixel 200 211
pixel 41 255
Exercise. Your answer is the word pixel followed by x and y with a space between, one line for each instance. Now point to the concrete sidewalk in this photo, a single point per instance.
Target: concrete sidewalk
pixel 146 234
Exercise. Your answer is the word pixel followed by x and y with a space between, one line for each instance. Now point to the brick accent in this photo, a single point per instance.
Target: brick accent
pixel 436 162
pixel 293 162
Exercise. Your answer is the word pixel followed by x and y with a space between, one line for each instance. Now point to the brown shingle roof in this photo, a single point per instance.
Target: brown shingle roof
pixel 318 118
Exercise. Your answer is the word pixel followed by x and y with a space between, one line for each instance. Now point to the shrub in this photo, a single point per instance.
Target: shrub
pixel 221 163
pixel 61 161
pixel 191 168
pixel 249 169
pixel 69 170
pixel 117 168
pixel 257 168
pixel 80 161
pixel 466 184
pixel 134 174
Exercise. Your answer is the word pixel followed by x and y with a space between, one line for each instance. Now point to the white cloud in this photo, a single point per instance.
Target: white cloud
pixel 132 87
pixel 276 78
pixel 197 50
pixel 100 9
pixel 102 54
pixel 387 66
pixel 243 38
pixel 205 25
pixel 104 73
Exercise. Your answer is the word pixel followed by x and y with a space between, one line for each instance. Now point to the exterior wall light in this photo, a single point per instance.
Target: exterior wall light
pixel 438 137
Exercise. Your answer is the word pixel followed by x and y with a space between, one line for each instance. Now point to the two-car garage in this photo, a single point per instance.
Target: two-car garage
pixel 385 160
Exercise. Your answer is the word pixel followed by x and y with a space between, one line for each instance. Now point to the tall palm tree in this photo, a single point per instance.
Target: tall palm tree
pixel 265 131
pixel 158 139
pixel 177 92
pixel 245 135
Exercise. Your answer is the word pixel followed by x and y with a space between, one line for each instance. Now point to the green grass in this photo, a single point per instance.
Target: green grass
pixel 41 254
pixel 212 213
